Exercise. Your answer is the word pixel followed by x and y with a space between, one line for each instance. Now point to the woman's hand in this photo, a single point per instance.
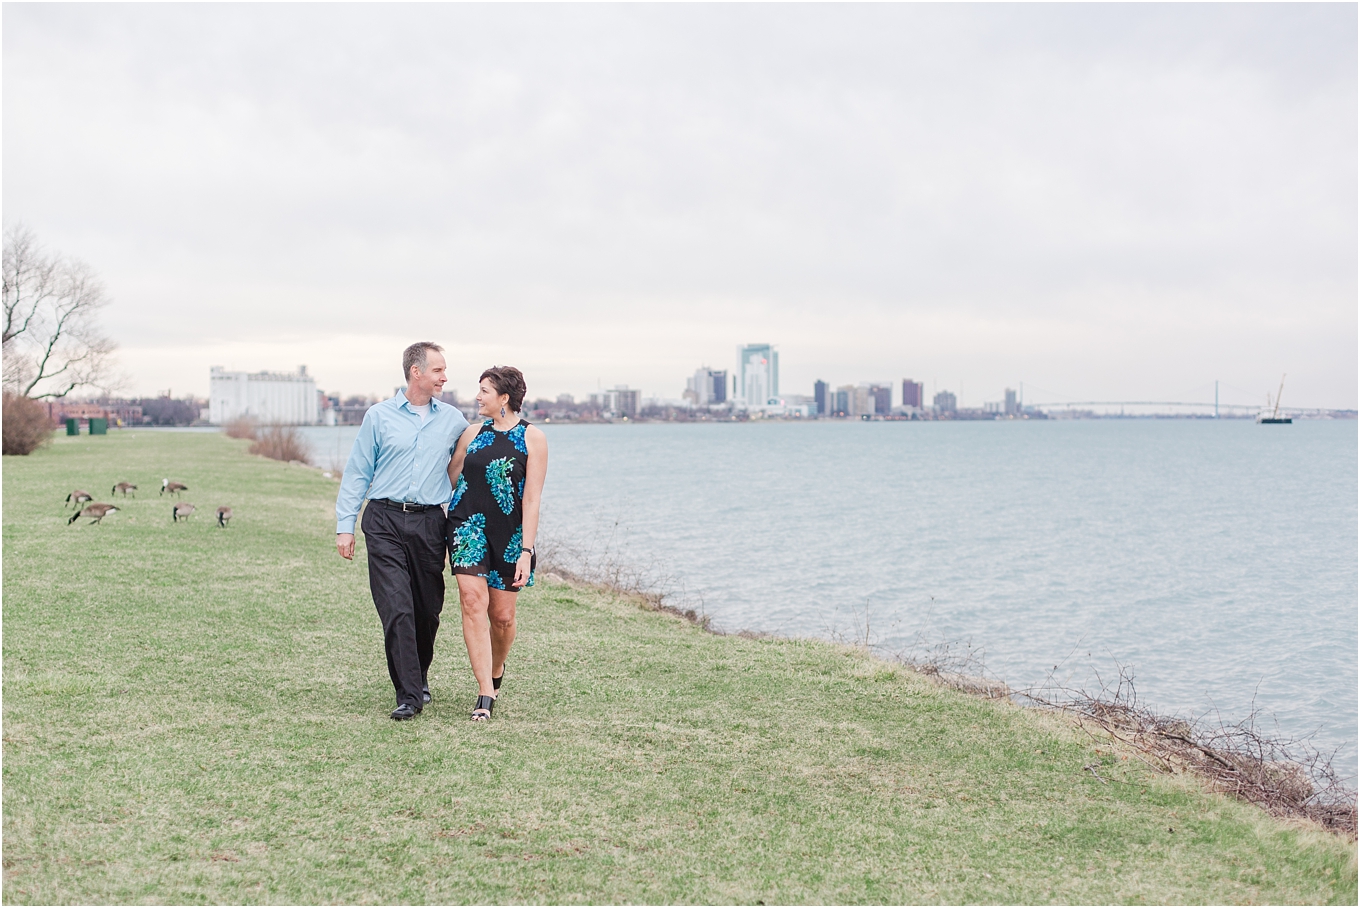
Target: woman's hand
pixel 523 567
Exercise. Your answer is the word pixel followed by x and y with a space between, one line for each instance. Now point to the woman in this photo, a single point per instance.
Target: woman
pixel 497 473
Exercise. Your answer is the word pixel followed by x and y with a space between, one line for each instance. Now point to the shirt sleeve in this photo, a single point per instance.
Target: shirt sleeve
pixel 358 475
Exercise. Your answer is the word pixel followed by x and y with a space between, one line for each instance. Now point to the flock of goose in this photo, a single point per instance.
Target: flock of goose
pixel 98 510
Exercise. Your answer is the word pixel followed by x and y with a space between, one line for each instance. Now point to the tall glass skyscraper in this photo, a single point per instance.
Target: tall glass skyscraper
pixel 758 375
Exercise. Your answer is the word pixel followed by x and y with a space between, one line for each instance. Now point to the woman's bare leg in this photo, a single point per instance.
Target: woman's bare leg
pixel 502 614
pixel 477 635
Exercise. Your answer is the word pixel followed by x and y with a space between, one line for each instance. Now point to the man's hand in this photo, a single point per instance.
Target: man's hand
pixel 344 544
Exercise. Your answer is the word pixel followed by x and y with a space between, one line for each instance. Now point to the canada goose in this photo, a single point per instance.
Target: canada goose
pixel 124 487
pixel 181 511
pixel 97 511
pixel 223 515
pixel 78 496
pixel 173 488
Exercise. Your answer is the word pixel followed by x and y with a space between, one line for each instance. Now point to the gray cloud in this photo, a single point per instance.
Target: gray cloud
pixel 1113 201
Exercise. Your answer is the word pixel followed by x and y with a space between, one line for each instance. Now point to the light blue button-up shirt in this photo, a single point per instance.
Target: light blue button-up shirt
pixel 398 457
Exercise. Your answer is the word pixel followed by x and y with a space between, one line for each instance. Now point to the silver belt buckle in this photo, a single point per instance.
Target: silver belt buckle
pixel 407 510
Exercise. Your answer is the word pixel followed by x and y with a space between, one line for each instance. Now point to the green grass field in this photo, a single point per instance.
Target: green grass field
pixel 200 715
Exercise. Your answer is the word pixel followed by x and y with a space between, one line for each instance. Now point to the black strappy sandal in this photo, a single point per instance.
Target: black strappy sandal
pixel 484 704
pixel 496 682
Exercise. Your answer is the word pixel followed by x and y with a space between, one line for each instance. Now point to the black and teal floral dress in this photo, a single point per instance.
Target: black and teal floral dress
pixel 486 515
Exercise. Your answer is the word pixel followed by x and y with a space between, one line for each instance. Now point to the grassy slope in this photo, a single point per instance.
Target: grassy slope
pixel 198 715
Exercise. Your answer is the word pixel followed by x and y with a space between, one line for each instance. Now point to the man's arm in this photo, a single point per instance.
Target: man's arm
pixel 354 484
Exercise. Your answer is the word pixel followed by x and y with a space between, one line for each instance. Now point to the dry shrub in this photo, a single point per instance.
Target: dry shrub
pixel 596 560
pixel 26 425
pixel 1285 776
pixel 957 665
pixel 240 427
pixel 280 443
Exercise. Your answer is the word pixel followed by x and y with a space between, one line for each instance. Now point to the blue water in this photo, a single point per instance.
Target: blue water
pixel 1215 559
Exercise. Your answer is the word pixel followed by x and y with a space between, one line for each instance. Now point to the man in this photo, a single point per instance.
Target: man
pixel 400 463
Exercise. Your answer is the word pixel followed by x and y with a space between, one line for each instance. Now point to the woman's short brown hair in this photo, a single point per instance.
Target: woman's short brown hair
pixel 507 380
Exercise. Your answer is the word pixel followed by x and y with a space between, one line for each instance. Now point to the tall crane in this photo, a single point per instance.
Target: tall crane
pixel 1275 418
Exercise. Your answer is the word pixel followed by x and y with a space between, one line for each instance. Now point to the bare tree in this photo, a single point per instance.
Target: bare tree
pixel 52 340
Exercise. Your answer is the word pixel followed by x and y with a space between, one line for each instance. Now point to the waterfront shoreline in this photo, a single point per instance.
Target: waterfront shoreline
pixel 1290 780
pixel 222 737
pixel 1208 556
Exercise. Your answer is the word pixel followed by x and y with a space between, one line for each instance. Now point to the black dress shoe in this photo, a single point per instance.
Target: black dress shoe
pixel 425 694
pixel 405 711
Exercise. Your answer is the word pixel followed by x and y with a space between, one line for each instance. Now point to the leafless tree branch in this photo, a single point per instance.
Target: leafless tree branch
pixel 29 279
pixel 52 340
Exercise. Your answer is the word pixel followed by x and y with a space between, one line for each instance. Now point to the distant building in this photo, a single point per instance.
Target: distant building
pixel 881 396
pixel 913 393
pixel 622 401
pixel 758 375
pixel 946 402
pixel 117 411
pixel 285 398
pixel 719 379
pixel 1012 404
pixel 351 411
pixel 125 414
pixel 819 394
pixel 799 406
pixel 61 409
pixel 708 386
pixel 864 402
pixel 845 401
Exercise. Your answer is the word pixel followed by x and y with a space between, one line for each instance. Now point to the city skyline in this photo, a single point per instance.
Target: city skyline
pixel 1107 202
pixel 710 389
pixel 888 396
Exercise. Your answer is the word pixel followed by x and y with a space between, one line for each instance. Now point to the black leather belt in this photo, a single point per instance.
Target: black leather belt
pixel 409 507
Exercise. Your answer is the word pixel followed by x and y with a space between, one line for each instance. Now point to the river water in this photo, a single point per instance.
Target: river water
pixel 1216 560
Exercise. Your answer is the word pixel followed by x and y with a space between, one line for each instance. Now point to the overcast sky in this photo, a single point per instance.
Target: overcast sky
pixel 1103 202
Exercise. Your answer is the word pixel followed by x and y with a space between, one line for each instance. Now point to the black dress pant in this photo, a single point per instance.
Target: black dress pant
pixel 406 576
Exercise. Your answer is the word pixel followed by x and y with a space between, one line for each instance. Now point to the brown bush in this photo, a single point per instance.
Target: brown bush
pixel 26 425
pixel 1286 777
pixel 280 443
pixel 240 427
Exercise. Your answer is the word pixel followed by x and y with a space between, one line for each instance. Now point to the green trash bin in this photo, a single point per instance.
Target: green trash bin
pixel 72 426
pixel 99 425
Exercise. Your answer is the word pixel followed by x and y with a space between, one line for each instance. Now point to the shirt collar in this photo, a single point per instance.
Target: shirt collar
pixel 406 402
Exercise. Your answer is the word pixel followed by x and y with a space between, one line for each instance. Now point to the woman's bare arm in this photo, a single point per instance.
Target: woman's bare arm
pixel 535 471
pixel 460 452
